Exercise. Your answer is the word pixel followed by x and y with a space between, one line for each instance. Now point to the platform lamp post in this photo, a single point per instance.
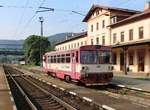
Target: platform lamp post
pixel 41 20
pixel 42 9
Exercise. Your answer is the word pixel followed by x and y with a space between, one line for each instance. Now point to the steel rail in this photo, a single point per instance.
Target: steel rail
pixel 56 97
pixel 33 107
pixel 69 107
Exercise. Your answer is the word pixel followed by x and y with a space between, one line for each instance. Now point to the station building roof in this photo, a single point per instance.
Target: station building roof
pixel 78 36
pixel 133 18
pixel 134 43
pixel 94 7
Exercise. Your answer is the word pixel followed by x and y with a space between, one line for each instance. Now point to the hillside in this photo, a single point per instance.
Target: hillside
pixel 59 37
pixel 18 44
pixel 14 44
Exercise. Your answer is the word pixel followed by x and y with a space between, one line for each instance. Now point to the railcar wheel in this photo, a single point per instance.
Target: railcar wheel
pixel 48 73
pixel 67 78
pixel 79 83
pixel 54 75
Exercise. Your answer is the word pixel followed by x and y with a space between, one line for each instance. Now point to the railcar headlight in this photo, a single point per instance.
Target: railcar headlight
pixel 85 68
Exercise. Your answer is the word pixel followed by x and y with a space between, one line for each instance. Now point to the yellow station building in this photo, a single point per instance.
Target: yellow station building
pixel 127 31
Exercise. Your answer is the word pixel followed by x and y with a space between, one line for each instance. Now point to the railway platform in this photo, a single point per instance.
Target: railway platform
pixel 6 99
pixel 132 80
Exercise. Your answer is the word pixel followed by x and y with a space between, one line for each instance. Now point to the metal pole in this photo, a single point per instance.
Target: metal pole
pixel 125 60
pixel 41 21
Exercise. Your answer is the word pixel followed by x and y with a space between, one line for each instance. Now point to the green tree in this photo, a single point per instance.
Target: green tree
pixel 35 46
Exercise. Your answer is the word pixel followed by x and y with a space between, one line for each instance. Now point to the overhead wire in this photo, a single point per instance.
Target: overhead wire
pixel 63 10
pixel 18 6
pixel 29 21
pixel 14 6
pixel 21 18
pixel 34 14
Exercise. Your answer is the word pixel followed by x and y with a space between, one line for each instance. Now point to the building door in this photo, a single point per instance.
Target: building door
pixel 121 61
pixel 141 58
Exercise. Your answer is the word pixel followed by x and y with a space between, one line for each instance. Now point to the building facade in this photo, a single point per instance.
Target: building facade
pixel 131 43
pixel 127 31
pixel 98 18
pixel 72 42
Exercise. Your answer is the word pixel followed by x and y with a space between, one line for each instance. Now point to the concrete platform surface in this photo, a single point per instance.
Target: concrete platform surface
pixel 6 99
pixel 132 81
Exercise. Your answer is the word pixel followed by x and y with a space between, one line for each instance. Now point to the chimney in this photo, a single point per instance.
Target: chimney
pixel 147 6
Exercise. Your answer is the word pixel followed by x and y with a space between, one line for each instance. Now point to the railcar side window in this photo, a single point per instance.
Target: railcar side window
pixel 58 58
pixel 49 59
pixel 72 57
pixel 68 55
pixel 77 56
pixel 54 59
pixel 67 58
pixel 63 58
pixel 72 54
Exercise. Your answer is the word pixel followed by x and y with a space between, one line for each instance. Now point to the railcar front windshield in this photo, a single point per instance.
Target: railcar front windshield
pixel 95 57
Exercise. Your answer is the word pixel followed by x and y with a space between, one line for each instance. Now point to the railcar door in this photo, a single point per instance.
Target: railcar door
pixel 45 61
pixel 73 64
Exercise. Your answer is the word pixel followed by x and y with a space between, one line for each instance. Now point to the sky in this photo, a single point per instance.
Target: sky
pixel 18 18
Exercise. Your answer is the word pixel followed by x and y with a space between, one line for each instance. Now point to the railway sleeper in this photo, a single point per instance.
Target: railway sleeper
pixel 47 99
pixel 56 106
pixel 53 104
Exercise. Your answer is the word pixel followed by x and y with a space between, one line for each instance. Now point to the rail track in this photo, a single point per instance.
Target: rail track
pixel 41 96
pixel 109 95
pixel 116 89
pixel 122 90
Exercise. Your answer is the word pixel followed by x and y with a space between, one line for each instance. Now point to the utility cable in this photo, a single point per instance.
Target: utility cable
pixel 29 21
pixel 21 18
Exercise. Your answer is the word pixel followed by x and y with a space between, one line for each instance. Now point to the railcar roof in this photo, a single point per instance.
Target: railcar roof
pixel 86 47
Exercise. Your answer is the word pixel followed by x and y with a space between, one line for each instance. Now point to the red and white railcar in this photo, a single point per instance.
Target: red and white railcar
pixel 90 64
